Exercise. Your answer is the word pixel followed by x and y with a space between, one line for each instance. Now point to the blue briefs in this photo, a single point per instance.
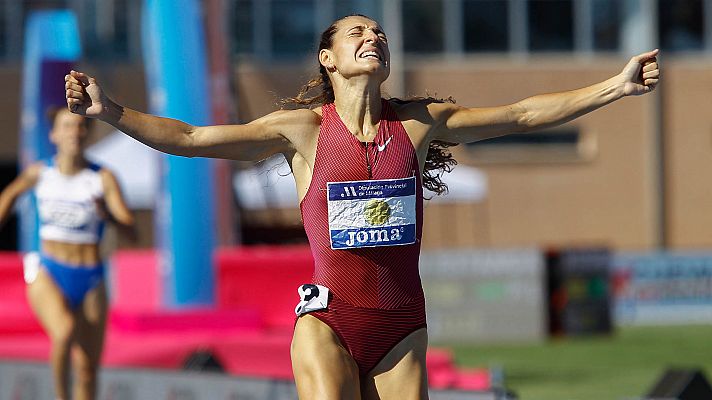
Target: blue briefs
pixel 74 281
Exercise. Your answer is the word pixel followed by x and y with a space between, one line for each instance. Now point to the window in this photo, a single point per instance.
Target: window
pixel 45 4
pixel 423 26
pixel 681 24
pixel 550 25
pixel 241 26
pixel 119 37
pixel 370 8
pixel 293 27
pixel 559 145
pixel 486 25
pixel 4 45
pixel 606 24
pixel 107 28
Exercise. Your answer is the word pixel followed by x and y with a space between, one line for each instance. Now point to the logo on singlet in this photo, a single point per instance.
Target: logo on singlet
pixel 371 213
pixel 382 147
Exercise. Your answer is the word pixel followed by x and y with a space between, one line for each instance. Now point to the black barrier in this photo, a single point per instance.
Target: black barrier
pixel 203 361
pixel 578 285
pixel 681 384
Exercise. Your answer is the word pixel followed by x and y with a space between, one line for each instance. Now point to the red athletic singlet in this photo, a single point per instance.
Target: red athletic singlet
pixel 376 277
pixel 377 298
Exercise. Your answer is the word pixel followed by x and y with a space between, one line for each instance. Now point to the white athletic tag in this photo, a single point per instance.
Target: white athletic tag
pixel 313 298
pixel 31 266
pixel 371 213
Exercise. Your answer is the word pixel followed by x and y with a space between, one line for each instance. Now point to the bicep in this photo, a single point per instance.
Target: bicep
pixel 254 141
pixel 463 125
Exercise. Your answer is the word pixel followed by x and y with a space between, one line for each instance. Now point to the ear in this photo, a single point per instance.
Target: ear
pixel 326 58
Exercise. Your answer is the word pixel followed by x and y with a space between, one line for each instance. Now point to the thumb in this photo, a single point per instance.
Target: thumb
pixel 646 56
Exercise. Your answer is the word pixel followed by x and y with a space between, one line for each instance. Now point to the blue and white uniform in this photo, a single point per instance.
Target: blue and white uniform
pixel 67 205
pixel 68 213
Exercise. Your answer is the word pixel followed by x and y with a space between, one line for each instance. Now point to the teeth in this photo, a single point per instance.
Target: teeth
pixel 370 54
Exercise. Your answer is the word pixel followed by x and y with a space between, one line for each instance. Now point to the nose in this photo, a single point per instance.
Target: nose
pixel 371 36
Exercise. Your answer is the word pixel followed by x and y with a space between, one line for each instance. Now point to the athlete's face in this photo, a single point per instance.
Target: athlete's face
pixel 359 47
pixel 69 132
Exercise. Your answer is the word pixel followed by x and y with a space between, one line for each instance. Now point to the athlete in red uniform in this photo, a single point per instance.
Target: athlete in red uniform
pixel 373 287
pixel 359 163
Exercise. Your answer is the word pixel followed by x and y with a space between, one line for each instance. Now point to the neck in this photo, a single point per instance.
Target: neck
pixel 69 164
pixel 358 103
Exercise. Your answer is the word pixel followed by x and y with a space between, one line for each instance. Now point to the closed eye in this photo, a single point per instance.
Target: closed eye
pixel 355 31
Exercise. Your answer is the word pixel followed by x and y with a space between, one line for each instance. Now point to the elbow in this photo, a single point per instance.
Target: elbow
pixel 528 118
pixel 177 150
pixel 187 146
pixel 524 120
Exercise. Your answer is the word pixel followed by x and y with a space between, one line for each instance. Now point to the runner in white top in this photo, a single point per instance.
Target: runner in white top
pixel 65 282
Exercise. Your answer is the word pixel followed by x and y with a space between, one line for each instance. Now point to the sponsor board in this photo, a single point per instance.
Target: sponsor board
pixel 662 288
pixel 485 295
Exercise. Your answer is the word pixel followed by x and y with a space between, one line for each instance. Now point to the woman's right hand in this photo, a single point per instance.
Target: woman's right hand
pixel 84 96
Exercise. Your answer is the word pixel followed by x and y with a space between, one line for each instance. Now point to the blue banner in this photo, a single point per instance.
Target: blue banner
pixel 663 287
pixel 177 79
pixel 51 48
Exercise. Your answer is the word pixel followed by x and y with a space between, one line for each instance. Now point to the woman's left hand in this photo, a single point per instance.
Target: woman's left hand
pixel 641 74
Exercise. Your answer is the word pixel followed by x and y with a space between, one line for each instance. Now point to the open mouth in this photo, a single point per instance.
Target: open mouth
pixel 371 54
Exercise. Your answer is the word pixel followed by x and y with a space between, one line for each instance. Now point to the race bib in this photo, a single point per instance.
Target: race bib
pixel 76 215
pixel 371 213
pixel 31 266
pixel 311 298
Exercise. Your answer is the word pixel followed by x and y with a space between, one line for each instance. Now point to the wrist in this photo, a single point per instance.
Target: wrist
pixel 110 111
pixel 617 86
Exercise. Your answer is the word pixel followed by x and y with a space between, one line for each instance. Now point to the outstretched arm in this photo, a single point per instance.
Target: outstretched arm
pixel 24 182
pixel 462 125
pixel 250 142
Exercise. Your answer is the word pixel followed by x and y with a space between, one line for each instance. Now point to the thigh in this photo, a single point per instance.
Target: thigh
pixel 401 374
pixel 49 305
pixel 91 326
pixel 323 368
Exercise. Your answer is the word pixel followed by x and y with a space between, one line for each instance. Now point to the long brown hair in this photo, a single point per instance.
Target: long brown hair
pixel 439 159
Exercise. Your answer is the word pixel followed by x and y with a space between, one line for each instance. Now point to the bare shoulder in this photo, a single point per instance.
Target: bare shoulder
pixel 299 125
pixel 425 110
pixel 33 171
pixel 292 117
pixel 107 175
pixel 35 168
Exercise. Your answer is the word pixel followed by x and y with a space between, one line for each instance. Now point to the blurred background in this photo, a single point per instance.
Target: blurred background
pixel 571 263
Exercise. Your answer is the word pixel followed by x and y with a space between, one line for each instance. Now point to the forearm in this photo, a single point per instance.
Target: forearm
pixel 6 204
pixel 163 134
pixel 547 110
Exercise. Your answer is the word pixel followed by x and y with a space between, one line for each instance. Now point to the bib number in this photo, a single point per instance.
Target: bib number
pixel 312 298
pixel 372 213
